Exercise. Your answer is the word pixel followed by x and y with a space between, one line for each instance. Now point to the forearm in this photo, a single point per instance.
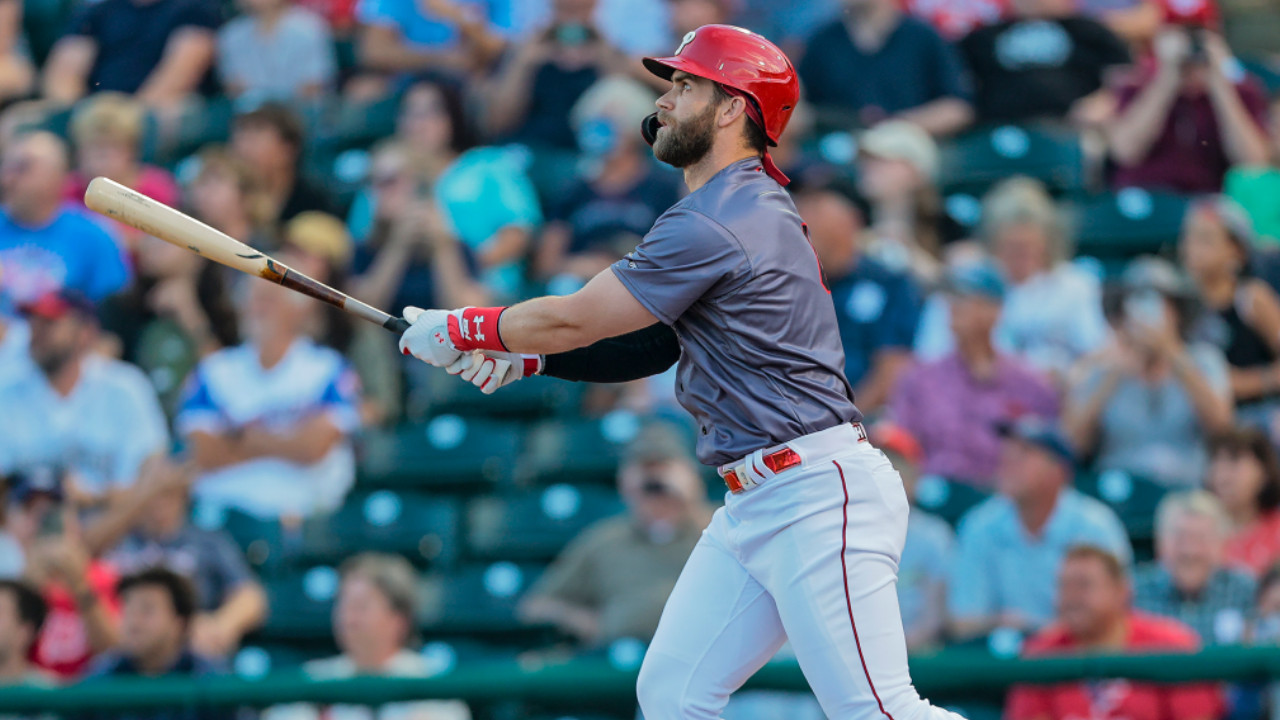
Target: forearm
pixel 1080 422
pixel 244 610
pixel 968 628
pixel 510 98
pixel 394 55
pixel 307 444
pixel 874 389
pixel 1254 382
pixel 578 620
pixel 181 69
pixel 506 245
pixel 1244 142
pixel 1213 411
pixel 100 628
pixel 941 117
pixel 1136 129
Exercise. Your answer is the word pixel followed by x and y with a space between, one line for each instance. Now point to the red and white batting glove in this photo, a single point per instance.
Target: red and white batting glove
pixel 491 370
pixel 428 339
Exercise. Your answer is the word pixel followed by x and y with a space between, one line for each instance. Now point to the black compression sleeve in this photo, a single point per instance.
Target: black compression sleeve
pixel 624 358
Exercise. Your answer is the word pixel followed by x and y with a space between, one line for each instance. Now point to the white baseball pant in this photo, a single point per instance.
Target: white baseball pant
pixel 808 555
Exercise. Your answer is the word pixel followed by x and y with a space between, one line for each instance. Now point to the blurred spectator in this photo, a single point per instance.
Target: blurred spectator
pixel 876 307
pixel 154 530
pixel 1094 616
pixel 157 607
pixel 107 130
pixel 604 215
pixel 688 15
pixel 1135 21
pixel 928 552
pixel 612 580
pixel 12 561
pixel 1147 401
pixel 636 27
pixel 1265 628
pixel 22 613
pixel 270 140
pixel 875 62
pixel 160 51
pixel 897 172
pixel 227 195
pixel 268 422
pixel 482 194
pixel 1254 187
pixel 1192 114
pixel 397 38
pixel 79 591
pixel 1046 61
pixel 45 246
pixel 16 71
pixel 374 626
pixel 276 51
pixel 1188 580
pixel 1052 313
pixel 96 417
pixel 1251 28
pixel 954 19
pixel 547 73
pixel 954 405
pixel 15 358
pixel 1011 545
pixel 1244 311
pixel 339 15
pixel 1244 475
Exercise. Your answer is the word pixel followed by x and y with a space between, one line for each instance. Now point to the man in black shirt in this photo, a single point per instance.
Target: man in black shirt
pixel 1047 61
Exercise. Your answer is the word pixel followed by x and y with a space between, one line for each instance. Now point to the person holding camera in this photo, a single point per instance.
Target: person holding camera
pixel 1193 114
pixel 1146 403
pixel 612 580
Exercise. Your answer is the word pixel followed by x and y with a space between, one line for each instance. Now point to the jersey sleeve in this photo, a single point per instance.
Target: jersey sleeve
pixel 341 399
pixel 682 258
pixel 198 411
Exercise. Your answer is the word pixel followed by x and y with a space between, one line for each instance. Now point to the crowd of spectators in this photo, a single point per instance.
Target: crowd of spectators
pixel 142 385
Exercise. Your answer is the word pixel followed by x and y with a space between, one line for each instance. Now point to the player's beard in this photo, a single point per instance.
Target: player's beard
pixel 685 143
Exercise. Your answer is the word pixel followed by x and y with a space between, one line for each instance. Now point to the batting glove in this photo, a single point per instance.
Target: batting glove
pixel 428 340
pixel 491 370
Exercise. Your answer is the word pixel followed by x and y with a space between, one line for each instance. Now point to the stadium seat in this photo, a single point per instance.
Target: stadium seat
pixel 523 400
pixel 263 542
pixel 1127 223
pixel 449 452
pixel 579 451
pixel 1134 499
pixel 534 525
pixel 478 599
pixel 948 499
pixel 973 162
pixel 301 604
pixel 423 528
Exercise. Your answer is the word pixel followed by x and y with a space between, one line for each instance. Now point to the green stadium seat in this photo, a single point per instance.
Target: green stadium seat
pixel 448 452
pixel 975 161
pixel 1134 499
pixel 479 600
pixel 263 542
pixel 1126 223
pixel 423 528
pixel 948 499
pixel 579 450
pixel 523 400
pixel 301 604
pixel 535 525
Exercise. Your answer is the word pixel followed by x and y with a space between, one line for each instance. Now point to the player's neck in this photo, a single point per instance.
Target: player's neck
pixel 697 174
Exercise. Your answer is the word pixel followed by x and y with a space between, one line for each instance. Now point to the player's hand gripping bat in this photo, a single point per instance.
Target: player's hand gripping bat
pixel 155 218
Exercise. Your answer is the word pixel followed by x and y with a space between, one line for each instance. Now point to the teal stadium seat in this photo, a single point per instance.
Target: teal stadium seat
pixel 948 499
pixel 426 529
pixel 578 451
pixel 301 605
pixel 479 600
pixel 1115 227
pixel 1134 499
pixel 263 542
pixel 449 452
pixel 973 162
pixel 535 525
pixel 522 400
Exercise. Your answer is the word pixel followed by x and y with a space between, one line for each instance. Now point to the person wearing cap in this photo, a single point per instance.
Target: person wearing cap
pixel 875 62
pixel 1047 60
pixel 375 629
pixel 1149 400
pixel 1215 247
pixel 1052 314
pixel 928 551
pixel 953 405
pixel 98 417
pixel 611 581
pixel 897 175
pixel 1010 545
pixel 876 307
pixel 46 245
pixel 1189 113
pixel 1095 615
pixel 1189 579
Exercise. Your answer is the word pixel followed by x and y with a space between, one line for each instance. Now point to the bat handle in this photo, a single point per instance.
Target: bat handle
pixel 396 324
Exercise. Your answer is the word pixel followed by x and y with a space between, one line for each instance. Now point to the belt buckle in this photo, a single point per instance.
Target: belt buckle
pixel 737 479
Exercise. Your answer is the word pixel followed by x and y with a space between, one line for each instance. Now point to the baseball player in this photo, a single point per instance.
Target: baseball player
pixel 806 546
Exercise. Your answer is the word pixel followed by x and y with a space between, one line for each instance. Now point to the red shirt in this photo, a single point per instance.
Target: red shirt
pixel 1257 547
pixel 1117 699
pixel 63 645
pixel 156 183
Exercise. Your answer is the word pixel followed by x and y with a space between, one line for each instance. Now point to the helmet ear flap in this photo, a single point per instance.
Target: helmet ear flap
pixel 649 128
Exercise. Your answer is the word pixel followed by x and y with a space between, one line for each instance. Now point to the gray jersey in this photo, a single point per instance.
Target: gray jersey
pixel 730 269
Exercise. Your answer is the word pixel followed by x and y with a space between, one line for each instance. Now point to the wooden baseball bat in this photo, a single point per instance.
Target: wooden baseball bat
pixel 155 218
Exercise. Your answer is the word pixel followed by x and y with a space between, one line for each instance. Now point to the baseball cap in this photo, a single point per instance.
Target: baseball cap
pixel 976 278
pixel 55 305
pixel 892 437
pixel 1041 433
pixel 38 480
pixel 902 140
pixel 655 443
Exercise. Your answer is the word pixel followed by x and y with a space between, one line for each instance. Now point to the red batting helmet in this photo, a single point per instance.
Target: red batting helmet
pixel 742 60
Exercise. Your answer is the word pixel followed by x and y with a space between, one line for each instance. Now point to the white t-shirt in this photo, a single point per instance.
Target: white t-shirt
pixel 101 433
pixel 15 356
pixel 230 389
pixel 403 664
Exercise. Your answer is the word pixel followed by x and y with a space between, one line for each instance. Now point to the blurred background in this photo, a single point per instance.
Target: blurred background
pixel 1051 230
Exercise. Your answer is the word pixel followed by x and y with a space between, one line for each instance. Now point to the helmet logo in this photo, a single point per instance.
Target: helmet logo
pixel 688 38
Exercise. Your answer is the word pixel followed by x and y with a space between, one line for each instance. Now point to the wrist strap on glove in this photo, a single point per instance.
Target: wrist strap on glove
pixel 532 365
pixel 476 329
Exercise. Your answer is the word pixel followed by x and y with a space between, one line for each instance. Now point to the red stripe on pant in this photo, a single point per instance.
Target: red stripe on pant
pixel 848 601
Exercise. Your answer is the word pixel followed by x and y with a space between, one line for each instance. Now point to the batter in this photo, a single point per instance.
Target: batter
pixel 806 547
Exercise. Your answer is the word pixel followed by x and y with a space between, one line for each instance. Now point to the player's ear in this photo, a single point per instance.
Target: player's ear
pixel 731 110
